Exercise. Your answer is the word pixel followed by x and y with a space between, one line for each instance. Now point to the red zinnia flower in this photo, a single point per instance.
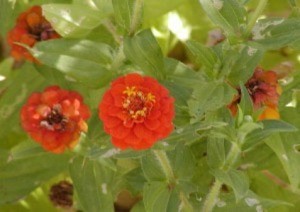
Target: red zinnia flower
pixel 264 91
pixel 31 27
pixel 55 118
pixel 136 111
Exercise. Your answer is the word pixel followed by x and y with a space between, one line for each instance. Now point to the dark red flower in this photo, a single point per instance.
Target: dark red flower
pixel 31 27
pixel 264 91
pixel 55 118
pixel 263 88
pixel 137 112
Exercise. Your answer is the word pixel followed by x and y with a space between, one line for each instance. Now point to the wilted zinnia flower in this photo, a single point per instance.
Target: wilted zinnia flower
pixel 61 194
pixel 55 118
pixel 136 111
pixel 31 27
pixel 264 91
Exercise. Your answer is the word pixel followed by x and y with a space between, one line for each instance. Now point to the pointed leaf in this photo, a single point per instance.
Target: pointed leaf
pixel 83 60
pixel 92 183
pixel 228 14
pixel 235 179
pixel 144 51
pixel 72 20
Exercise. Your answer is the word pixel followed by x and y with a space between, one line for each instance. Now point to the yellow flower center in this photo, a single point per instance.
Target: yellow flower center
pixel 137 103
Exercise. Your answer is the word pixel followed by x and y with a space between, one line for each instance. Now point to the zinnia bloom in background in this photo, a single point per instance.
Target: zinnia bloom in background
pixel 55 118
pixel 137 112
pixel 264 91
pixel 31 27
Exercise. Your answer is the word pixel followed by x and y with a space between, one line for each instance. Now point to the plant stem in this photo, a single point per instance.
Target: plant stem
pixel 232 157
pixel 119 58
pixel 213 194
pixel 165 164
pixel 136 16
pixel 259 9
pixel 112 30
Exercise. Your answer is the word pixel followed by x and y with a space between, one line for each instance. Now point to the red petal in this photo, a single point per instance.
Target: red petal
pixel 152 124
pixel 142 132
pixel 111 122
pixel 119 143
pixel 120 132
pixel 133 79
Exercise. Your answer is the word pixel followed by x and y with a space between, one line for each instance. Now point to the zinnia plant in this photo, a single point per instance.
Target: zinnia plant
pixel 149 105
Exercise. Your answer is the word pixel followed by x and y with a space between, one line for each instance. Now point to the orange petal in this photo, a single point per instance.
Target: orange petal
pixel 33 20
pixel 269 113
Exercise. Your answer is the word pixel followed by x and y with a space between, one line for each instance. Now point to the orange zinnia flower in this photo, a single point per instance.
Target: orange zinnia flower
pixel 55 118
pixel 136 111
pixel 31 27
pixel 264 91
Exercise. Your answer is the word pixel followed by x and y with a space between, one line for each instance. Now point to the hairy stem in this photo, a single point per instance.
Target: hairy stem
pixel 212 196
pixel 259 9
pixel 165 164
pixel 119 58
pixel 214 192
pixel 136 16
pixel 112 30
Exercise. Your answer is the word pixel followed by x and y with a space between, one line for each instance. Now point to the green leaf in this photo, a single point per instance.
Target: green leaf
pixel 103 6
pixel 203 55
pixel 269 127
pixel 138 207
pixel 215 152
pixel 23 83
pixel 251 203
pixel 209 97
pixel 83 60
pixel 152 168
pixel 26 149
pixel 125 12
pixel 93 184
pixel 293 3
pixel 243 63
pixel 71 20
pixel 191 132
pixel 157 196
pixel 284 145
pixel 180 80
pixel 246 103
pixel 228 14
pixel 275 33
pixel 6 73
pixel 6 15
pixel 235 179
pixel 183 162
pixel 18 177
pixel 247 127
pixel 53 76
pixel 144 51
pixel 154 9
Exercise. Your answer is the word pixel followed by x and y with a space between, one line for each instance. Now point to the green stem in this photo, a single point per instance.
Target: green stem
pixel 165 164
pixel 119 58
pixel 232 157
pixel 136 16
pixel 214 192
pixel 259 9
pixel 212 196
pixel 112 30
